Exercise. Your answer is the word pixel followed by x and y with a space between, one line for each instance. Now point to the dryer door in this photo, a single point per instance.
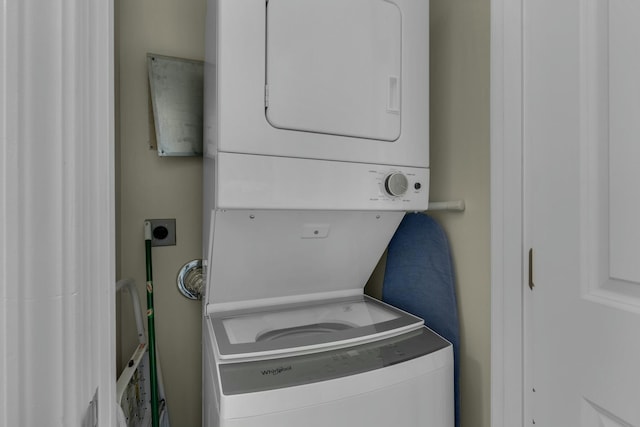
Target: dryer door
pixel 334 67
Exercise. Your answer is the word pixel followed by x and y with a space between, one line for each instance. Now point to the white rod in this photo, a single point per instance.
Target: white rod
pixel 130 285
pixel 452 205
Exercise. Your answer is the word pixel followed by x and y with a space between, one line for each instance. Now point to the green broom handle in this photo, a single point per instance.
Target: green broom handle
pixel 155 416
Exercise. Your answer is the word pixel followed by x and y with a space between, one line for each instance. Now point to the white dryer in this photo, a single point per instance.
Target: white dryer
pixel 316 144
pixel 331 79
pixel 317 104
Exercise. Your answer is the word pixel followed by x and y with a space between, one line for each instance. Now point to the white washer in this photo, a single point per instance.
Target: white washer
pixel 290 340
pixel 346 362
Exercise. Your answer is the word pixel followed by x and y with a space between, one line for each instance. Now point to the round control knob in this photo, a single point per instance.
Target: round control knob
pixel 396 184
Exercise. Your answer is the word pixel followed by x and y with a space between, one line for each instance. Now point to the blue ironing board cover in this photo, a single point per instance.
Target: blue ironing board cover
pixel 419 279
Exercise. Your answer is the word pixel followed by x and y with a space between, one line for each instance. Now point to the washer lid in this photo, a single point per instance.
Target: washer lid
pixel 309 326
pixel 334 67
pixel 257 258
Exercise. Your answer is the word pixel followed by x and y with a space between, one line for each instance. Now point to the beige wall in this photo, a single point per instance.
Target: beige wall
pixel 460 170
pixel 154 187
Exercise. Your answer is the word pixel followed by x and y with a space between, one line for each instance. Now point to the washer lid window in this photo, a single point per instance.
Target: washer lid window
pixel 299 327
pixel 334 67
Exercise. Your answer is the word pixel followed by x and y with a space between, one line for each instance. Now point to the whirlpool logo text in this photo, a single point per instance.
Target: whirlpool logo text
pixel 277 371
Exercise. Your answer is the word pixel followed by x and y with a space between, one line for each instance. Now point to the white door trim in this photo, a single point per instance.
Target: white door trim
pixel 57 213
pixel 507 266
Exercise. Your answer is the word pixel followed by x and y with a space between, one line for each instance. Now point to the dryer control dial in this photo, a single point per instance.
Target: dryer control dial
pixel 396 184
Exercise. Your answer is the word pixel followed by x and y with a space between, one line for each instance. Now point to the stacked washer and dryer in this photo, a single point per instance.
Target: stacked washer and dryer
pixel 316 144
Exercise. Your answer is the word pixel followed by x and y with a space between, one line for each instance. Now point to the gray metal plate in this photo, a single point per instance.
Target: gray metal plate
pixel 177 95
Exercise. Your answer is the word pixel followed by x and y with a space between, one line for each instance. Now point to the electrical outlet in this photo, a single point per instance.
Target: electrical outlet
pixel 163 232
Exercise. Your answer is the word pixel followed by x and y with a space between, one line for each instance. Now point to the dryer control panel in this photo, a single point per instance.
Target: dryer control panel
pixel 398 185
pixel 269 182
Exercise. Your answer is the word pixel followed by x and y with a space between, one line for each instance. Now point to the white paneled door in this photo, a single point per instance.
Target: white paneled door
pixel 581 118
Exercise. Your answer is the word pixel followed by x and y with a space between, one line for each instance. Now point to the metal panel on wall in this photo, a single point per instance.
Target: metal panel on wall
pixel 176 93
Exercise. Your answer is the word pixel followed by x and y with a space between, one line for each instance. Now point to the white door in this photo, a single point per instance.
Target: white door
pixel 57 214
pixel 582 212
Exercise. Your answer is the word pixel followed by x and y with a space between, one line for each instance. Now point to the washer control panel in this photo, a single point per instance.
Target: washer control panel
pixel 248 377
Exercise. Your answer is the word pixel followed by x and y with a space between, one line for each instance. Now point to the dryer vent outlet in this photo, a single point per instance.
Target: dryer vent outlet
pixel 163 232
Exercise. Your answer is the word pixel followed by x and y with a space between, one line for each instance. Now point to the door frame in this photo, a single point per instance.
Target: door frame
pixel 62 88
pixel 507 216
